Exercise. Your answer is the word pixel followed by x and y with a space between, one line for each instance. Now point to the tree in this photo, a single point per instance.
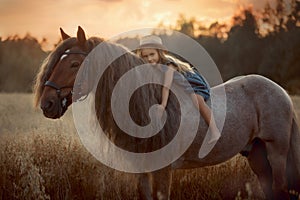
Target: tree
pixel 185 25
pixel 20 59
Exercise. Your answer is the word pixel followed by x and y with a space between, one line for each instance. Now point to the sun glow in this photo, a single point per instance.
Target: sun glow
pixel 104 18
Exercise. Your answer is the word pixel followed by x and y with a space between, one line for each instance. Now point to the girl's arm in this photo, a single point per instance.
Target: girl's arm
pixel 168 78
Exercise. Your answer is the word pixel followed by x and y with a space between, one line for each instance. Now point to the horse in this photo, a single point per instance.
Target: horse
pixel 260 119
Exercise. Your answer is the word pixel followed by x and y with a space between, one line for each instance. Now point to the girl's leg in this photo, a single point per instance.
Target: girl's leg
pixel 208 117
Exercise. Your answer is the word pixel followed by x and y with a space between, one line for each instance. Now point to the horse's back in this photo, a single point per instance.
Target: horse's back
pixel 256 88
pixel 266 93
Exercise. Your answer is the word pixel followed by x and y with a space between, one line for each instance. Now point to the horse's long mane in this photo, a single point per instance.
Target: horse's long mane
pixel 51 60
pixel 140 102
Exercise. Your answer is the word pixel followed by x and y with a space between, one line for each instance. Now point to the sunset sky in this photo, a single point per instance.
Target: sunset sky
pixel 106 18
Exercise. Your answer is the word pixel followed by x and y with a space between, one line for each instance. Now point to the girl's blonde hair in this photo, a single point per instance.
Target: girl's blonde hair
pixel 164 58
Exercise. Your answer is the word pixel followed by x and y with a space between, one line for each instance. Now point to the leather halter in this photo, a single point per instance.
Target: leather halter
pixel 57 87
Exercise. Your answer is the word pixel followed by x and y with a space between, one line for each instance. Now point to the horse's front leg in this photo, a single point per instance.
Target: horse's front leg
pixel 161 183
pixel 144 187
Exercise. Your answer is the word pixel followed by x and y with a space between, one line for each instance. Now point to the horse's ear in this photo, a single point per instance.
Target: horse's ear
pixel 81 36
pixel 64 36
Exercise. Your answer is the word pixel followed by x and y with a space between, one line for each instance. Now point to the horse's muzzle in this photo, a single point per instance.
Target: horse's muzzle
pixel 52 108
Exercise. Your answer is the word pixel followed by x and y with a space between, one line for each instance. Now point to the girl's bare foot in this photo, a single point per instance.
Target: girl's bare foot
pixel 214 135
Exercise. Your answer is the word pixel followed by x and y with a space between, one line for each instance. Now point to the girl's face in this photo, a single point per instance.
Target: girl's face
pixel 150 55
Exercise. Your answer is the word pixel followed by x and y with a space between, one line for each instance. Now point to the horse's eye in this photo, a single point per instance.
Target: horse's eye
pixel 75 64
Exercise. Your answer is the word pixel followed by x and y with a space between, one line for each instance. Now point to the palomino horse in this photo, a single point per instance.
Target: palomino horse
pixel 260 120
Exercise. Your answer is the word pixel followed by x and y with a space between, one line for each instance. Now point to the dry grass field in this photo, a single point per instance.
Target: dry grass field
pixel 44 159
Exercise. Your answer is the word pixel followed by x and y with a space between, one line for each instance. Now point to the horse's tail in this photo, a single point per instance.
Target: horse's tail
pixel 293 167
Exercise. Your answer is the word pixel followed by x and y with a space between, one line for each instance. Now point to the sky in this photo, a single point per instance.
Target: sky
pixel 106 18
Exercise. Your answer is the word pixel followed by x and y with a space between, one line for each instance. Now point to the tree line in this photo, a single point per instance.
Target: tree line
pixel 20 59
pixel 264 42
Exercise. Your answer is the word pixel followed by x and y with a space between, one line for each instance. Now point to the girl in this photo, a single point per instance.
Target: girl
pixel 153 52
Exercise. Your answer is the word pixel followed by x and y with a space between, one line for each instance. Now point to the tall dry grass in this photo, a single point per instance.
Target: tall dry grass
pixel 44 159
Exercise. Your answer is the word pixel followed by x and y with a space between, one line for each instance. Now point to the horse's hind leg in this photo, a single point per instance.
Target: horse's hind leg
pixel 260 165
pixel 277 151
pixel 293 178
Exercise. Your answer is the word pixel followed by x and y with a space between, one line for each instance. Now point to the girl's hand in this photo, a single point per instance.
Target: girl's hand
pixel 160 111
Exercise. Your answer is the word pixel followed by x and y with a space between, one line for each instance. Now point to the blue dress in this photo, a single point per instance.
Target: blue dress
pixel 197 82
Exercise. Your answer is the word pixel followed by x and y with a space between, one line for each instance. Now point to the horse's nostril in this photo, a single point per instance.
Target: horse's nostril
pixel 47 105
